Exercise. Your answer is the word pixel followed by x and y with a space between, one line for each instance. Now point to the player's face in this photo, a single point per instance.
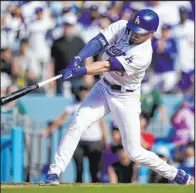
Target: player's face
pixel 68 29
pixel 166 33
pixel 139 38
pixel 40 15
pixel 116 137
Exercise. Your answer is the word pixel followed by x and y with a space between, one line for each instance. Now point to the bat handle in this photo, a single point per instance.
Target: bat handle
pixel 49 80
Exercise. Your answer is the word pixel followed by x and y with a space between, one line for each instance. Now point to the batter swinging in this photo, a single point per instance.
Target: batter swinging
pixel 127 53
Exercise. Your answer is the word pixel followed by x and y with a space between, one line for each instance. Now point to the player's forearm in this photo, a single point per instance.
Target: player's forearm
pixel 57 123
pixel 163 113
pixel 135 173
pixel 98 67
pixel 88 61
pixel 104 130
pixel 93 69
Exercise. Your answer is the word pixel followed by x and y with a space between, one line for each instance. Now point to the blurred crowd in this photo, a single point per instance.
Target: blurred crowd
pixel 39 38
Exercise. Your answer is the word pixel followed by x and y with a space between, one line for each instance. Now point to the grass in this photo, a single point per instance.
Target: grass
pixel 97 188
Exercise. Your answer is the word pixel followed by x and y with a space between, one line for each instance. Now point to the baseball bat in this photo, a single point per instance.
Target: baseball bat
pixel 24 91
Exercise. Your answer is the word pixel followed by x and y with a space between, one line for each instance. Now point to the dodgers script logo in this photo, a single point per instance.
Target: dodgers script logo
pixel 137 20
pixel 113 51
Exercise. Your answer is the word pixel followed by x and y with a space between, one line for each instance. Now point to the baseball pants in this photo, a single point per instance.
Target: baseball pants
pixel 125 109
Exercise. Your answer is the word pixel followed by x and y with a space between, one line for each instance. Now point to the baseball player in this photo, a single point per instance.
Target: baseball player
pixel 127 53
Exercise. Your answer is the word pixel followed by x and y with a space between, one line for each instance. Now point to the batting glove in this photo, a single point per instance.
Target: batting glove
pixel 74 62
pixel 73 72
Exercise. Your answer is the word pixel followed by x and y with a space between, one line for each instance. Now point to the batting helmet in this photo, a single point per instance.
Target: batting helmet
pixel 144 21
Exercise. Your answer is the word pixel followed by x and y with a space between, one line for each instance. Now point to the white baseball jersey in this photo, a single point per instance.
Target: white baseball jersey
pixel 134 58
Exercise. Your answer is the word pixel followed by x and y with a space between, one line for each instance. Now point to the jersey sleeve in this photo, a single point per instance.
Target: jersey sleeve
pixel 111 32
pixel 133 63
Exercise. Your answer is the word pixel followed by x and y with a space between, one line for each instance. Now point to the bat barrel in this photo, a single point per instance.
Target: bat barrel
pixel 17 94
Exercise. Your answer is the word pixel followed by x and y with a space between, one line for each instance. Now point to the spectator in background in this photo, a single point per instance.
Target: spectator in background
pixel 16 113
pixel 29 71
pixel 28 10
pixel 183 123
pixel 116 139
pixel 127 11
pixel 151 101
pixel 184 33
pixel 110 154
pixel 147 139
pixel 165 76
pixel 88 26
pixel 10 24
pixel 36 32
pixel 14 108
pixel 103 22
pixel 114 13
pixel 58 30
pixel 16 22
pixel 162 8
pixel 64 49
pixel 91 143
pixel 188 159
pixel 6 31
pixel 154 177
pixel 124 170
pixel 8 69
pixel 187 82
pixel 89 81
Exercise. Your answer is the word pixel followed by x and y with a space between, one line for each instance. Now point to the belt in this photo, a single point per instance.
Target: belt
pixel 115 86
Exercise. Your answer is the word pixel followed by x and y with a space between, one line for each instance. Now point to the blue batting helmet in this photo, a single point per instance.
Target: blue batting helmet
pixel 144 21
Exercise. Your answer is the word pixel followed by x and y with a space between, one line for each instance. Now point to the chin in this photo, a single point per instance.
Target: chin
pixel 136 43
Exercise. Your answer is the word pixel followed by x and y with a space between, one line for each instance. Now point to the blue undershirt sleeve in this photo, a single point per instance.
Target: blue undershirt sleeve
pixel 93 47
pixel 115 65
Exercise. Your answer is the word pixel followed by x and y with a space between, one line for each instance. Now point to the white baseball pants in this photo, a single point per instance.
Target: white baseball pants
pixel 125 109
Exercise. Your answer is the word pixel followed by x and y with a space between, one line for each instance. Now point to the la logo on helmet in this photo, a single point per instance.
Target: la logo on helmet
pixel 137 20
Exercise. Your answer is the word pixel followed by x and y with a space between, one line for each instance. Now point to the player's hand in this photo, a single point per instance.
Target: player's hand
pixel 67 73
pixel 74 62
pixel 73 72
